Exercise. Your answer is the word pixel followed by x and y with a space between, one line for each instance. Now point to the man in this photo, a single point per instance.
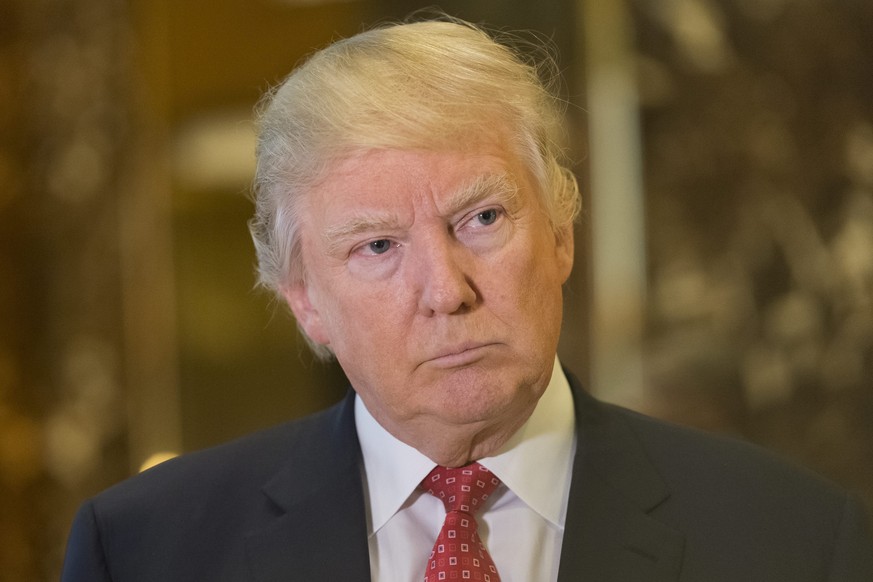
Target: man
pixel 413 213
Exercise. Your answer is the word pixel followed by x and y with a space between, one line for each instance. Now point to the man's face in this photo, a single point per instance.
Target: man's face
pixel 436 280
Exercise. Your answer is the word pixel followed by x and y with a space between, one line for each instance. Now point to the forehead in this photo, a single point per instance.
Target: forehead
pixel 399 177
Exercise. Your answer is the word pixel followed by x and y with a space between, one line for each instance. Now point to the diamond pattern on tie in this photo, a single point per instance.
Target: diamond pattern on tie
pixel 458 553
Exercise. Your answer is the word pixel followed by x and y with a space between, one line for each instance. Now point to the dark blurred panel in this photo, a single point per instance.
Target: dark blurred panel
pixel 553 19
pixel 228 53
pixel 241 363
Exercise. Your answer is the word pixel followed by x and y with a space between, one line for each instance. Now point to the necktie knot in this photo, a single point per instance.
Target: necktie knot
pixel 458 553
pixel 463 489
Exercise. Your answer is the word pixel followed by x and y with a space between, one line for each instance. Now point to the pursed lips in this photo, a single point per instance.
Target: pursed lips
pixel 460 355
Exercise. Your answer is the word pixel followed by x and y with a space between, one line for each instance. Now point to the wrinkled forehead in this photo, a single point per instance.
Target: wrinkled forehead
pixel 360 153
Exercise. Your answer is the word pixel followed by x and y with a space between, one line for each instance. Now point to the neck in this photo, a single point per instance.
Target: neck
pixel 456 446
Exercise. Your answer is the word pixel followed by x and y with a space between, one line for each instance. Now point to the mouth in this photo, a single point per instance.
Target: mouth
pixel 460 355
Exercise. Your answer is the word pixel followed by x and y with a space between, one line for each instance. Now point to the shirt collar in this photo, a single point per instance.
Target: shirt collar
pixel 546 441
pixel 392 469
pixel 536 463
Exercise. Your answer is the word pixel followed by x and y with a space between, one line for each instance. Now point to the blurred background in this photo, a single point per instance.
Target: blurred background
pixel 725 256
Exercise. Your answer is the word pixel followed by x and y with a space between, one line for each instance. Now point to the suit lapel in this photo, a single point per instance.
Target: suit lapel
pixel 315 522
pixel 614 528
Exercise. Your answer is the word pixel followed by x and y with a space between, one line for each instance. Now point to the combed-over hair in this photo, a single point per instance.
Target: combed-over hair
pixel 436 84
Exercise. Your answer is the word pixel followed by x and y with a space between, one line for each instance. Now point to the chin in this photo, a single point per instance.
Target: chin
pixel 471 403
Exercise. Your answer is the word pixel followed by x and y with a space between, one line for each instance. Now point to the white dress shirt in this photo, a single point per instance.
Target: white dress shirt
pixel 522 524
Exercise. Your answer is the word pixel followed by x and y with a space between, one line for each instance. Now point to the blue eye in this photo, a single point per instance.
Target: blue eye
pixel 487 217
pixel 377 247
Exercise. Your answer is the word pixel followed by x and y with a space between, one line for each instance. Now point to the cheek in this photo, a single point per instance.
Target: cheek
pixel 532 288
pixel 368 322
pixel 524 277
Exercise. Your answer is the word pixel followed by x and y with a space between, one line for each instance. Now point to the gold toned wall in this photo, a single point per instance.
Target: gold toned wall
pixel 128 323
pixel 125 288
pixel 758 148
pixel 64 106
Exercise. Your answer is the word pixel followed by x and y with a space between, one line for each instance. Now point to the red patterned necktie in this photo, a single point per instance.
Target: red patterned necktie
pixel 458 553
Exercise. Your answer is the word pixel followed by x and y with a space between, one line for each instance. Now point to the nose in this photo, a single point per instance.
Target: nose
pixel 445 277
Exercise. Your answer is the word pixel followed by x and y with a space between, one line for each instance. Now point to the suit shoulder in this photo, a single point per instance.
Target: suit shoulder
pixel 740 508
pixel 729 468
pixel 197 511
pixel 227 470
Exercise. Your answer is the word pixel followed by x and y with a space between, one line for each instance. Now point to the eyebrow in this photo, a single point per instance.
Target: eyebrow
pixel 499 185
pixel 336 235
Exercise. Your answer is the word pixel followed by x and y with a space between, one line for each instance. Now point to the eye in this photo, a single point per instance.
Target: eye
pixel 483 220
pixel 489 216
pixel 377 247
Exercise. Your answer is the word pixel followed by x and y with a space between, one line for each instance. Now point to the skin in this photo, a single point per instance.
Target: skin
pixel 435 278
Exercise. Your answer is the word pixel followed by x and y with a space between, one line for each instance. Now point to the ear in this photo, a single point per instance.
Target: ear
pixel 306 312
pixel 565 250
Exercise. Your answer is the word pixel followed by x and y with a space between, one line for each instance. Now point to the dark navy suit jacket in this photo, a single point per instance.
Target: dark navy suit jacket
pixel 648 502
